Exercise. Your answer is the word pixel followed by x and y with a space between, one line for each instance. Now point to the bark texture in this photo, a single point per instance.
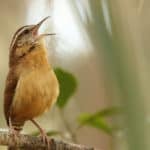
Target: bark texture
pixel 27 142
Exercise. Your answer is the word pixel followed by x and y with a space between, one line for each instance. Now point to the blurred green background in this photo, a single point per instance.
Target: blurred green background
pixel 101 57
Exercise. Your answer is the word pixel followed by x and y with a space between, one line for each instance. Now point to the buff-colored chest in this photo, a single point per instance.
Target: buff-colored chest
pixel 36 91
pixel 37 86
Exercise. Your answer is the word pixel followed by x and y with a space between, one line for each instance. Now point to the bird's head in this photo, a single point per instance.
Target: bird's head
pixel 26 38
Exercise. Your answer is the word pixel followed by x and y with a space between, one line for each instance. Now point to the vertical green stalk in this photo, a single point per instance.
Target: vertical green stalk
pixel 123 63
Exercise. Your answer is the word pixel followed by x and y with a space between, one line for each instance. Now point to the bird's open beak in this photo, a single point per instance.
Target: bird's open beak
pixel 37 26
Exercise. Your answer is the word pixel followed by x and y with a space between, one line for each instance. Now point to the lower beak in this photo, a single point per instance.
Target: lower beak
pixel 46 34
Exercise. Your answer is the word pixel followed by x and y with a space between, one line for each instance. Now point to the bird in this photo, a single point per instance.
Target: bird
pixel 31 85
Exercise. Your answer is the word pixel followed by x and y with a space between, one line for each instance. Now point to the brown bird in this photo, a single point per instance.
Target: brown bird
pixel 31 84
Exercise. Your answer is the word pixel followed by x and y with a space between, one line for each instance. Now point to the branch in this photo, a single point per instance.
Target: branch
pixel 30 142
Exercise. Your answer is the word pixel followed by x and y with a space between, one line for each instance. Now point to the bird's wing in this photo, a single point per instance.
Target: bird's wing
pixel 11 83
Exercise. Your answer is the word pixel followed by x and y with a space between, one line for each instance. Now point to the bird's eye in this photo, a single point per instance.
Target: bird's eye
pixel 26 31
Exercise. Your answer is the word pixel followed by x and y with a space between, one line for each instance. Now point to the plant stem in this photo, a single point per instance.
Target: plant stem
pixel 67 126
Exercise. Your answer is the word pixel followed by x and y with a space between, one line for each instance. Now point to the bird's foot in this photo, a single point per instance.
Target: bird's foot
pixel 43 134
pixel 12 131
pixel 45 139
pixel 14 134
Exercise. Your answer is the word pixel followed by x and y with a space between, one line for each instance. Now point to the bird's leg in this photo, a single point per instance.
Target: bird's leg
pixel 11 129
pixel 44 136
pixel 14 133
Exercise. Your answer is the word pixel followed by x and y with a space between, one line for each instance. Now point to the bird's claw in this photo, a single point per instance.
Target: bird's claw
pixel 45 139
pixel 13 133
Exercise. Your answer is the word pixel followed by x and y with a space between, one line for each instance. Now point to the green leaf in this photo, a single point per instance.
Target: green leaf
pixel 35 133
pixel 68 86
pixel 94 121
pixel 52 133
pixel 97 119
pixel 49 133
pixel 109 111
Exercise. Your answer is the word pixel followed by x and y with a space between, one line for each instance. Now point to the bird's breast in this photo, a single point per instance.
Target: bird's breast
pixel 36 91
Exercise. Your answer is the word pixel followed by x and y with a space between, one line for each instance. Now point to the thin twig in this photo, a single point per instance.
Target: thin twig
pixel 68 127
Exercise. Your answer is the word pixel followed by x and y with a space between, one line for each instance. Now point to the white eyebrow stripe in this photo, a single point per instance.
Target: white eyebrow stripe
pixel 18 32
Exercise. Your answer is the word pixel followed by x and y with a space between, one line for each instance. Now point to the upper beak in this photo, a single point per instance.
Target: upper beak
pixel 37 26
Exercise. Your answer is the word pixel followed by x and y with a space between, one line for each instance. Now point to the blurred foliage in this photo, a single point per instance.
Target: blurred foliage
pixel 98 119
pixel 114 30
pixel 49 133
pixel 108 112
pixel 94 121
pixel 68 86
